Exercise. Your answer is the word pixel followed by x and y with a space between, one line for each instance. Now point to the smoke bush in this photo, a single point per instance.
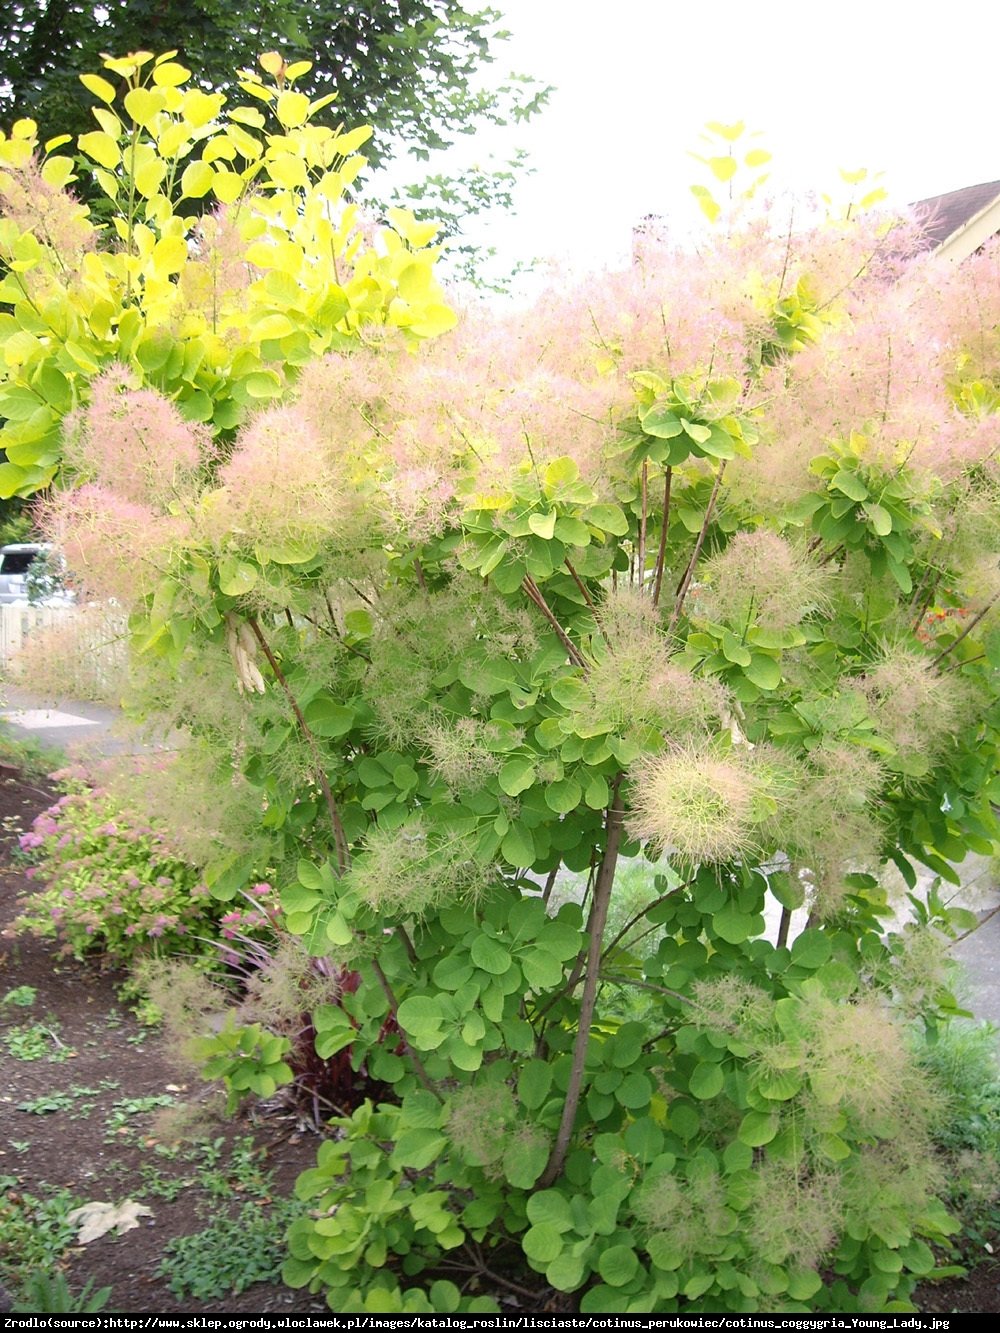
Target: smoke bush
pixel 679 561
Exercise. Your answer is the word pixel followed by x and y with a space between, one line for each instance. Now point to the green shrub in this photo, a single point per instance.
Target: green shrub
pixel 696 561
pixel 112 883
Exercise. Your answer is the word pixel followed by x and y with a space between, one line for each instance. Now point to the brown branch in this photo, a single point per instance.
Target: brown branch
pixel 549 886
pixel 685 582
pixel 783 925
pixel 598 919
pixel 918 592
pixel 482 1269
pixel 972 929
pixel 339 837
pixel 355 589
pixel 660 990
pixel 418 1064
pixel 643 516
pixel 968 629
pixel 411 952
pixel 634 921
pixel 418 570
pixel 532 590
pixel 647 1046
pixel 581 585
pixel 965 661
pixel 661 554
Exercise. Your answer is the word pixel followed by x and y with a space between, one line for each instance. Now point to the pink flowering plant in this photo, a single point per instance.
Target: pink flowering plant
pixel 695 563
pixel 112 884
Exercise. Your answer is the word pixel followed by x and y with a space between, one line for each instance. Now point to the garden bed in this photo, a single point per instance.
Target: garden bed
pixel 84 1084
pixel 86 1089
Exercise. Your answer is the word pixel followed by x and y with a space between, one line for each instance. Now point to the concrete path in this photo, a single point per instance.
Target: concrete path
pixel 74 728
pixel 91 729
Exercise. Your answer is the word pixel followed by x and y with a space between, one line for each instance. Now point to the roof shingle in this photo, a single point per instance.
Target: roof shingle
pixel 944 214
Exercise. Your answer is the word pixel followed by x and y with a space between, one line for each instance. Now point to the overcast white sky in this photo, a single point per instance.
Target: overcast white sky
pixel 905 88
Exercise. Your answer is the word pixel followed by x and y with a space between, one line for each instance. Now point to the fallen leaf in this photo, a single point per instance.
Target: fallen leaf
pixel 97 1219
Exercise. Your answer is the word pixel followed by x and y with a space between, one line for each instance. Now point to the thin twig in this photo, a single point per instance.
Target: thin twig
pixel 783 925
pixel 411 952
pixel 634 920
pixel 418 570
pixel 549 886
pixel 418 1064
pixel 598 918
pixel 581 585
pixel 532 590
pixel 685 582
pixel 649 985
pixel 965 661
pixel 647 1046
pixel 968 629
pixel 339 837
pixel 643 515
pixel 972 929
pixel 661 554
pixel 355 589
pixel 476 1255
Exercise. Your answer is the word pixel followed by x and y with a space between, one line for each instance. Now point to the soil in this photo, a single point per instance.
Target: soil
pixel 74 1148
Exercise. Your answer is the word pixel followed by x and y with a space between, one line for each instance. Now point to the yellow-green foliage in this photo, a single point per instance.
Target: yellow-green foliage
pixel 233 255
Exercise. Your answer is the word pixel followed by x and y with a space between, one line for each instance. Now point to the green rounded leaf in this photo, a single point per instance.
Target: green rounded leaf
pixel 542 1243
pixel 523 1163
pixel 634 1092
pixel 518 847
pixel 543 525
pixel 618 1265
pixel 683 1119
pixel 661 423
pixel 811 949
pixel 534 1083
pixel 758 1128
pixel 566 1272
pixel 420 1013
pixel 490 955
pixel 236 577
pixel 880 518
pixel 764 671
pixel 706 1081
pixel 516 776
pixel 417 1148
pixel 563 796
pixel 849 484
pixel 552 1208
pixel 327 718
pixel 607 517
pixel 733 926
pixel 644 1139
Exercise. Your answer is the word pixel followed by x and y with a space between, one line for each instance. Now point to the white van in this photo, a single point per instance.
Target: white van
pixel 15 562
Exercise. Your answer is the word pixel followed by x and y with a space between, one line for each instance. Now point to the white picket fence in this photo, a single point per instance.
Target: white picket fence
pixel 20 620
pixel 81 648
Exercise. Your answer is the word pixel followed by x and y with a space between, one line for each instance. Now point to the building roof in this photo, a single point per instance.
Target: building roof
pixel 962 219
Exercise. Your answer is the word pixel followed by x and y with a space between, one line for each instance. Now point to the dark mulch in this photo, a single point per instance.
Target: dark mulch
pixel 69 1151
